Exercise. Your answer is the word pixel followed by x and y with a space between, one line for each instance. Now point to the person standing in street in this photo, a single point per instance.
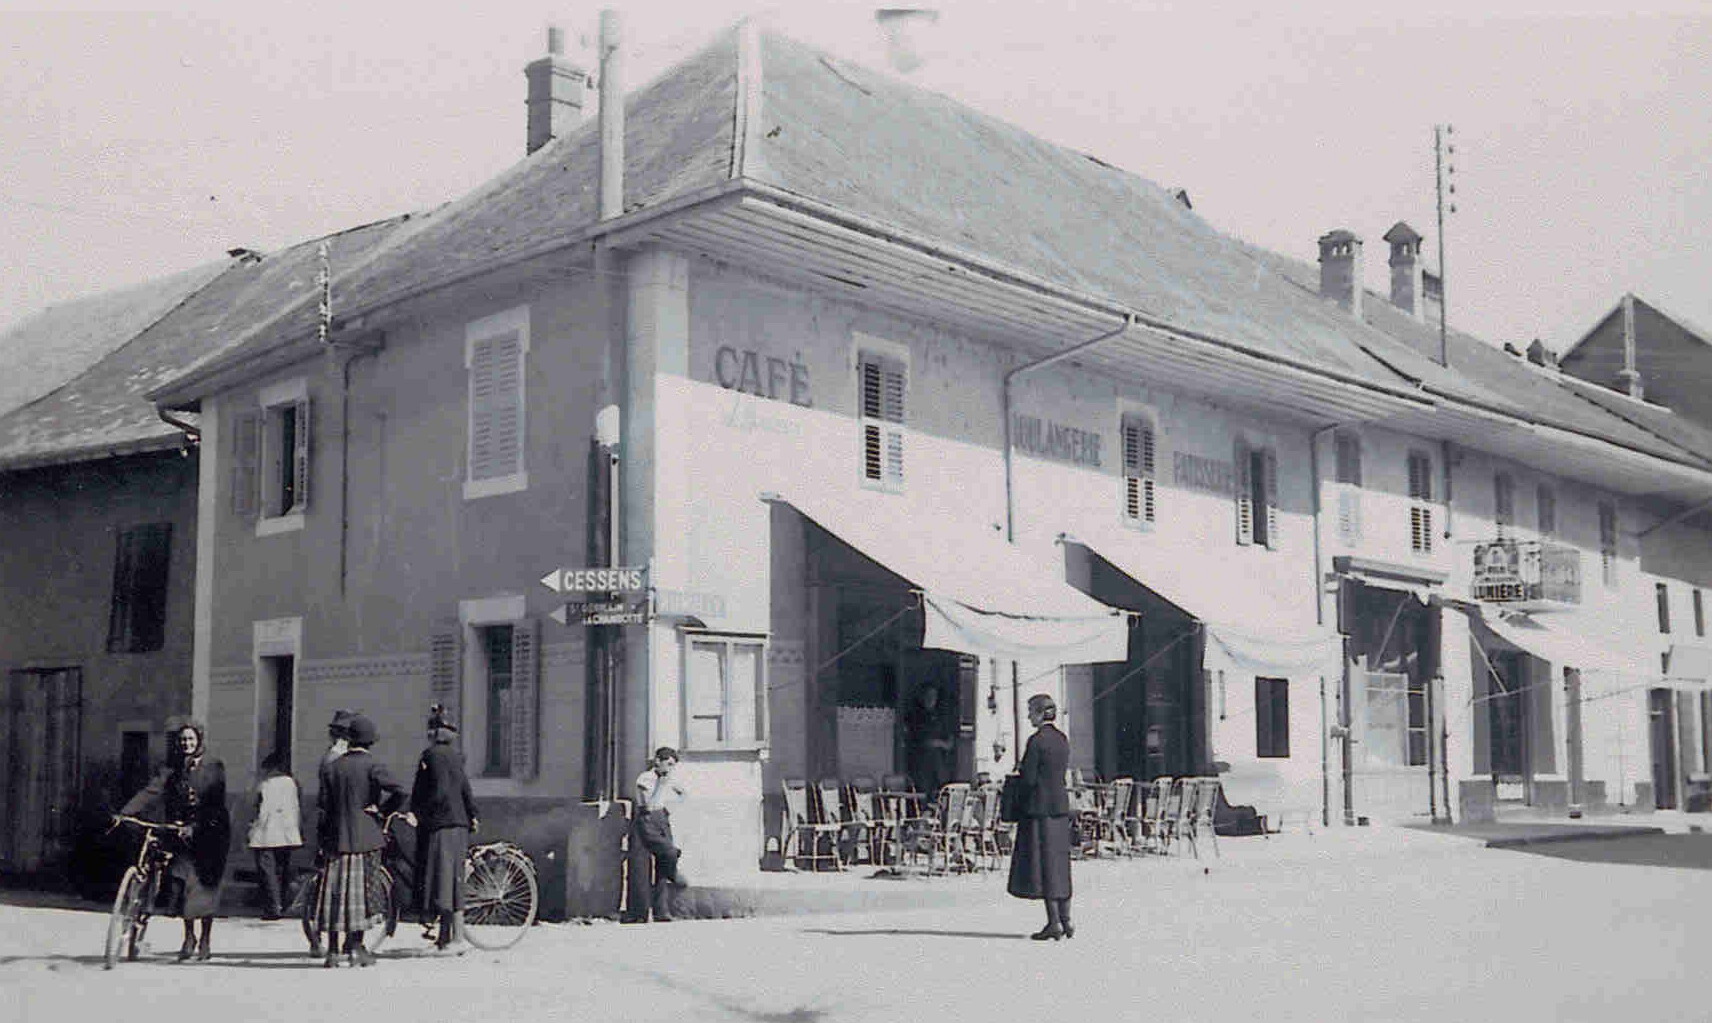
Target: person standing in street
pixel 1040 861
pixel 276 832
pixel 657 790
pixel 190 791
pixel 353 883
pixel 445 812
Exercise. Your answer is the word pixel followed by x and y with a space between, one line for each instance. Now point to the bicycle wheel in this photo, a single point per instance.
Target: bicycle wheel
pixel 501 898
pixel 373 937
pixel 122 921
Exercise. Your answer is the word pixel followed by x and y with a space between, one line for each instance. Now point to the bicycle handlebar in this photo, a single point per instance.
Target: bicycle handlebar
pixel 120 818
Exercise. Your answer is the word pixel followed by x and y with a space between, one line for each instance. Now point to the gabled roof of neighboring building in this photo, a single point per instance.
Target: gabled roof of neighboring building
pixel 48 349
pixel 103 410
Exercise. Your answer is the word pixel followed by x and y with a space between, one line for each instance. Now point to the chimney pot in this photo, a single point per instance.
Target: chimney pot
pixel 1405 262
pixel 555 40
pixel 555 95
pixel 1340 269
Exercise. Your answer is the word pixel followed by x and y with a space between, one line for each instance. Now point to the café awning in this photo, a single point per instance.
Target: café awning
pixel 980 594
pixel 1251 645
pixel 1575 639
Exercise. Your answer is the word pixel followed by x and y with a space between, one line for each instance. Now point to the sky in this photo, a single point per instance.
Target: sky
pixel 136 143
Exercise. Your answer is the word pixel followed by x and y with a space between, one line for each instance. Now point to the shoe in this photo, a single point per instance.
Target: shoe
pixel 363 956
pixel 1048 933
pixel 203 953
pixel 270 915
pixel 331 961
pixel 187 950
pixel 1069 931
pixel 315 949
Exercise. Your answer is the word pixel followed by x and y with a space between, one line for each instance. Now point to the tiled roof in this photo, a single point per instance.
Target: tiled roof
pixel 103 409
pixel 50 348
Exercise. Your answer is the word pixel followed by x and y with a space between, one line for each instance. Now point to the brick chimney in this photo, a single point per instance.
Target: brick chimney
pixel 1406 283
pixel 555 92
pixel 1340 269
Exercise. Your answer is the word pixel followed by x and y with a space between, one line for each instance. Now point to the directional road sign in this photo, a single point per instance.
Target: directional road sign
pixel 596 580
pixel 601 612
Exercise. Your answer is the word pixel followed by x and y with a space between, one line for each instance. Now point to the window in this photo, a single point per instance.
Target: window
pixel 137 619
pixel 1663 593
pixel 486 670
pixel 1138 469
pixel 1256 496
pixel 1271 717
pixel 1608 542
pixel 1348 468
pixel 496 641
pixel 1416 754
pixel 1503 504
pixel 1699 619
pixel 883 380
pixel 495 349
pixel 271 458
pixel 1547 506
pixel 1420 502
pixel 725 691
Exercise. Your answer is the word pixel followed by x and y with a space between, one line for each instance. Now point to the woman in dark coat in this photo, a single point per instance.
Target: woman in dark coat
pixel 191 791
pixel 352 883
pixel 445 813
pixel 1040 863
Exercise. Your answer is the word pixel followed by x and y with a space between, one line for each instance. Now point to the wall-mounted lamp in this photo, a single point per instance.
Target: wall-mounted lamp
pixel 993 697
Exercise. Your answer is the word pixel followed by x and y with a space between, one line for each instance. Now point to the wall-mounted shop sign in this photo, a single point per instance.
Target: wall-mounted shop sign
pixel 1055 440
pixel 1519 571
pixel 765 376
pixel 1193 472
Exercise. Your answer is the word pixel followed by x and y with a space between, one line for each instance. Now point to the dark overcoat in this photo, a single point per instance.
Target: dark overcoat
pixel 349 784
pixel 194 793
pixel 441 797
pixel 1040 862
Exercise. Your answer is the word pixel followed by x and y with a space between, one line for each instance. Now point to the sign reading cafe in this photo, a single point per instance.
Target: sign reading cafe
pixel 764 376
pixel 1055 440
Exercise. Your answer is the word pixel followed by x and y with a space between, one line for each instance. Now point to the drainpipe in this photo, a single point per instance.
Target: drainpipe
pixel 191 430
pixel 1320 619
pixel 1010 491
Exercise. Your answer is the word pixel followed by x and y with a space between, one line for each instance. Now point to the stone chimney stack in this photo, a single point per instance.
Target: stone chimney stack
pixel 1340 269
pixel 1406 283
pixel 556 88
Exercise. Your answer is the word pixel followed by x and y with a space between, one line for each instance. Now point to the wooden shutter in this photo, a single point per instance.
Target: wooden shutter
pixel 1420 477
pixel 246 463
pixel 1269 465
pixel 1244 496
pixel 525 699
pixel 884 386
pixel 1349 512
pixel 300 457
pixel 1421 529
pixel 1138 455
pixel 445 670
pixel 496 407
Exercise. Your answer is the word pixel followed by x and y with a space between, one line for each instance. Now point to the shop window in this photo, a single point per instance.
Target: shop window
pixel 1608 542
pixel 1662 592
pixel 137 617
pixel 504 705
pixel 725 692
pixel 1546 504
pixel 1503 504
pixel 883 380
pixel 495 350
pixel 1420 502
pixel 1256 496
pixel 1140 496
pixel 1348 467
pixel 1272 717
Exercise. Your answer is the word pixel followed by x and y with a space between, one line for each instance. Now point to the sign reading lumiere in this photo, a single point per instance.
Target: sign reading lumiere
pixel 1526 571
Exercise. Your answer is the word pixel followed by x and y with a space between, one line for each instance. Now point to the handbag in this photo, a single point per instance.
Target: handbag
pixel 1010 799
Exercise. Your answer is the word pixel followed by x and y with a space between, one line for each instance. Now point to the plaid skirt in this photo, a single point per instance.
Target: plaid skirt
pixel 353 893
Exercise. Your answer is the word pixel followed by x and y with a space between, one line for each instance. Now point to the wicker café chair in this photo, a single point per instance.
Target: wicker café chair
pixel 945 834
pixel 1199 808
pixel 862 800
pixel 806 834
pixel 1114 830
pixel 1156 829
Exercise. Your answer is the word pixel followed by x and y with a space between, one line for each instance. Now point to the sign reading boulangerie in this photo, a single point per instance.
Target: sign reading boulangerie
pixel 1055 440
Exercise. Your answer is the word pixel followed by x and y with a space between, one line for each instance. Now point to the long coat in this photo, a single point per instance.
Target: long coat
pixel 192 793
pixel 1040 863
pixel 440 796
pixel 348 784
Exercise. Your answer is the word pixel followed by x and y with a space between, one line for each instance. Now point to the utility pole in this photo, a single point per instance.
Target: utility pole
pixel 1443 150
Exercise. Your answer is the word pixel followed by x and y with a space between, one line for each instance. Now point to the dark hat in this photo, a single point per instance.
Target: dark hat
pixel 341 719
pixel 440 717
pixel 362 731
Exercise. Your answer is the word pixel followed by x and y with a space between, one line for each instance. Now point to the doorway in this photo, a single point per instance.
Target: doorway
pixel 276 692
pixel 1661 726
pixel 44 713
pixel 1507 724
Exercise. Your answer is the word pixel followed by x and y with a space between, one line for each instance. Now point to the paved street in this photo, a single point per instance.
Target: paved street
pixel 1366 924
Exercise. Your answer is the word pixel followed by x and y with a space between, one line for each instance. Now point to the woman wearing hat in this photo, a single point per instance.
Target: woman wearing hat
pixel 1040 862
pixel 445 813
pixel 190 791
pixel 352 886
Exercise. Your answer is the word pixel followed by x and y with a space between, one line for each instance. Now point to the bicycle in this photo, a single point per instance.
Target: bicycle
pixel 501 893
pixel 138 890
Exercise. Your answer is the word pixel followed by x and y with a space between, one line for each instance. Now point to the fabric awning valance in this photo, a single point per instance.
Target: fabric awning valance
pixel 1688 661
pixel 1258 647
pixel 980 595
pixel 1570 639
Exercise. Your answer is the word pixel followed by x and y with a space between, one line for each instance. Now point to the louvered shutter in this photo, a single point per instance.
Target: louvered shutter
pixel 496 407
pixel 1244 496
pixel 883 411
pixel 1269 465
pixel 246 463
pixel 1421 529
pixel 300 457
pixel 525 699
pixel 1138 454
pixel 445 671
pixel 1349 512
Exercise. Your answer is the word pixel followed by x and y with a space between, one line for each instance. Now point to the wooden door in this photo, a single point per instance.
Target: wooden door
pixel 44 711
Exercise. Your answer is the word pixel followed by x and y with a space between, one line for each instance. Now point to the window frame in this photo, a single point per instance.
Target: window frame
pixel 1256 504
pixel 1139 490
pixel 1271 717
pixel 1661 594
pixel 1421 504
pixel 1346 474
pixel 265 477
pixel 728 640
pixel 891 435
pixel 492 330
pixel 467 649
pixel 137 611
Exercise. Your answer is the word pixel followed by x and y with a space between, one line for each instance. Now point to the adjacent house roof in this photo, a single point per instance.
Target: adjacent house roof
pixel 103 410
